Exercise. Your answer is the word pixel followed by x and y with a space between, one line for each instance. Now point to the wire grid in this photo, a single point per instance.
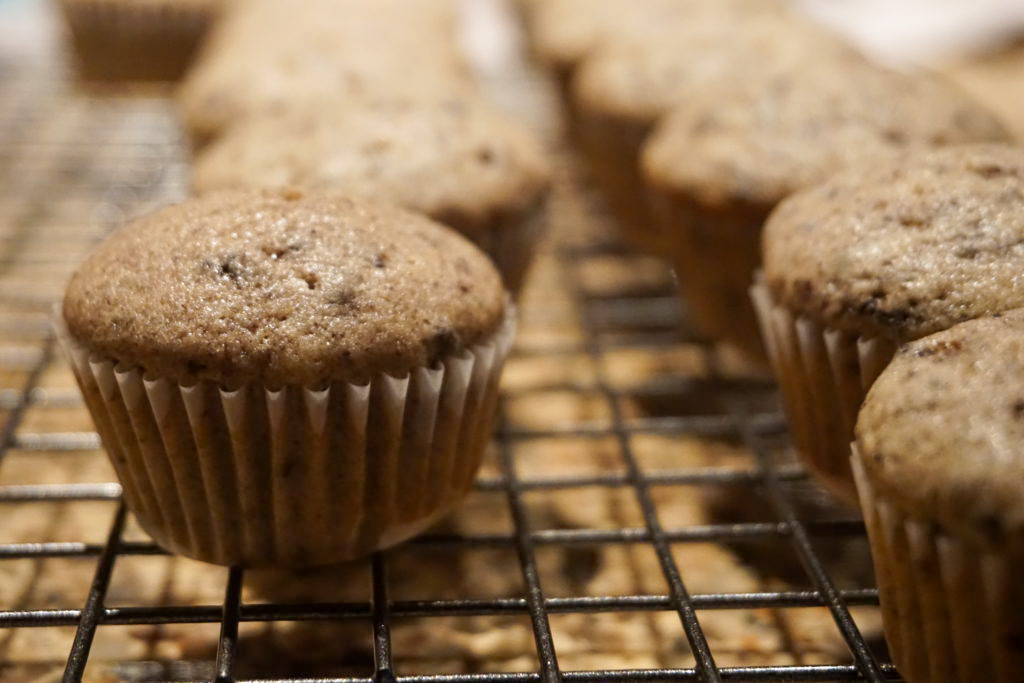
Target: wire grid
pixel 60 152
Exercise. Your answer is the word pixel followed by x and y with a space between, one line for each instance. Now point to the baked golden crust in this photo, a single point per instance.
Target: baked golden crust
pixel 282 288
pixel 905 247
pixel 940 432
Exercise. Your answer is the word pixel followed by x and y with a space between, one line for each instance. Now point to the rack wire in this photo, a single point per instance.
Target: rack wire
pixel 74 165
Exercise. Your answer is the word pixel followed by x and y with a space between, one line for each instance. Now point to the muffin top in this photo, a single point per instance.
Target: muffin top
pixel 941 430
pixel 905 247
pixel 320 48
pixel 643 79
pixel 280 287
pixel 759 142
pixel 454 159
pixel 564 32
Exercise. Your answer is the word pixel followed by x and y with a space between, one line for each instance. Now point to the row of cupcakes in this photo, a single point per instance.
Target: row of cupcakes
pixel 698 117
pixel 887 212
pixel 299 365
pixel 699 129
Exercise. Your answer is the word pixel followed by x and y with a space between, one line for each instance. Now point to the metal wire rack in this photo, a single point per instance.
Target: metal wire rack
pixel 74 165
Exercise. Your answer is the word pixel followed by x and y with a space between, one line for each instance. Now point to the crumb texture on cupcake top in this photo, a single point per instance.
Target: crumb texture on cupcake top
pixel 643 79
pixel 453 158
pixel 761 141
pixel 905 247
pixel 940 433
pixel 282 288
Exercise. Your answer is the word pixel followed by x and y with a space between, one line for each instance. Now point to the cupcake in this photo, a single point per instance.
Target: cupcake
pixel 875 257
pixel 940 474
pixel 276 55
pixel 564 32
pixel 454 159
pixel 625 87
pixel 524 11
pixel 136 40
pixel 287 380
pixel 718 165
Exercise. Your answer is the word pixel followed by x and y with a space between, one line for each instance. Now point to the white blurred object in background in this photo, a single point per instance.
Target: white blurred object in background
pixel 28 31
pixel 921 31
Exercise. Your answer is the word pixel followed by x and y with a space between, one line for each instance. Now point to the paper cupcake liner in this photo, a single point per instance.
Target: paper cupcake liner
pixel 823 376
pixel 296 476
pixel 562 75
pixel 512 244
pixel 611 147
pixel 715 256
pixel 951 609
pixel 118 40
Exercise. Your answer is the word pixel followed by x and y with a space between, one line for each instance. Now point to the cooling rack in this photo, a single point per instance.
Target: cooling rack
pixel 640 512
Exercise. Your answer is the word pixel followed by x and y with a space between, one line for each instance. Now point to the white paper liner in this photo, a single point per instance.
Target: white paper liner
pixel 951 609
pixel 714 254
pixel 295 476
pixel 513 243
pixel 823 375
pixel 611 146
